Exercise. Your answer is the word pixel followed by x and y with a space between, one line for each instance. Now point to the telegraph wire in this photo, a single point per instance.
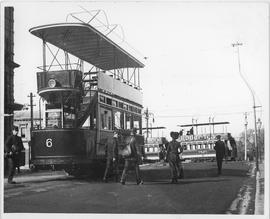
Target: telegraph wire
pixel 192 115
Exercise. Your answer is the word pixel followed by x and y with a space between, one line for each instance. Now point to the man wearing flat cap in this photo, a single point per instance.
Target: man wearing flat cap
pixel 220 152
pixel 13 148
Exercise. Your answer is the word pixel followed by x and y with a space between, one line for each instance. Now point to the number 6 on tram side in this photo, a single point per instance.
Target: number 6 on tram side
pixel 81 109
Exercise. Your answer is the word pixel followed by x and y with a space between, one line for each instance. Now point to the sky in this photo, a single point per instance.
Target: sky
pixel 191 70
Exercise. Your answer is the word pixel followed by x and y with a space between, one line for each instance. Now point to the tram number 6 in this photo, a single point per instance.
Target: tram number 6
pixel 49 143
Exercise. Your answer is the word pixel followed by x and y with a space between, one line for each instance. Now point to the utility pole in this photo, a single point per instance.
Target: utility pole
pixel 147 115
pixel 259 141
pixel 31 112
pixel 246 123
pixel 237 44
pixel 213 120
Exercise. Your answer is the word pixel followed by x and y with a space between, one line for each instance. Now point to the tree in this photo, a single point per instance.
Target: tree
pixel 251 151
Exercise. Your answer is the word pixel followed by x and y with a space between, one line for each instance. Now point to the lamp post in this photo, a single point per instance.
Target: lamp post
pixel 237 44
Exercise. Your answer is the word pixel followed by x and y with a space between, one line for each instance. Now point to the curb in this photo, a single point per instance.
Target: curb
pixel 259 196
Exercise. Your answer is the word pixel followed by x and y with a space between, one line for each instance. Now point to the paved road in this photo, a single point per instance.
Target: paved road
pixel 201 192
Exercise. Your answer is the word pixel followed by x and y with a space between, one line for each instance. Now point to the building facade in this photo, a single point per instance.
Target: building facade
pixel 10 65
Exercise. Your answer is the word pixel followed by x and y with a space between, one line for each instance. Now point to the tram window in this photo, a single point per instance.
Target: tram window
pixel 53 106
pixel 53 120
pixel 128 121
pixel 23 129
pixel 69 116
pixel 139 111
pixel 125 106
pixel 118 124
pixel 106 119
pixel 114 103
pixel 121 105
pixel 102 99
pixel 136 122
pixel 109 101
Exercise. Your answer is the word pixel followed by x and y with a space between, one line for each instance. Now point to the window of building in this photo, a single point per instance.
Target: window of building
pixel 106 119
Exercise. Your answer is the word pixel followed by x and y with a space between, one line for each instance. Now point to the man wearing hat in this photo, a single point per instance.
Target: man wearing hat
pixel 112 156
pixel 220 152
pixel 173 151
pixel 13 148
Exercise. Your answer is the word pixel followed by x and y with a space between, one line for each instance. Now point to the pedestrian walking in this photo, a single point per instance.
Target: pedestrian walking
pixel 112 158
pixel 220 152
pixel 173 151
pixel 131 158
pixel 232 144
pixel 13 147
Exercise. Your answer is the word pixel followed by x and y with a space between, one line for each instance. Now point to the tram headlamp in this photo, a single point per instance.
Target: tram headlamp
pixel 52 83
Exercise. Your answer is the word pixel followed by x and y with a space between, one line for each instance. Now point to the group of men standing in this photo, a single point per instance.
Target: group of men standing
pixel 133 159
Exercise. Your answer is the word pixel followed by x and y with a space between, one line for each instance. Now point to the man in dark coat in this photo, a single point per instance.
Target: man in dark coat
pixel 112 157
pixel 220 152
pixel 13 148
pixel 173 151
pixel 132 159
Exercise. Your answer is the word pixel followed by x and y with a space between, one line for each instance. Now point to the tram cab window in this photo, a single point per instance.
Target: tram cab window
pixel 69 117
pixel 106 119
pixel 53 119
pixel 118 120
pixel 136 122
pixel 129 124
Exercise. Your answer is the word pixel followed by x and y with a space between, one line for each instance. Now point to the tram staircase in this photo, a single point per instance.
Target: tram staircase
pixel 89 96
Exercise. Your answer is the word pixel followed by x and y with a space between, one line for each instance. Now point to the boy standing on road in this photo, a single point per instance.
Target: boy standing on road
pixel 13 148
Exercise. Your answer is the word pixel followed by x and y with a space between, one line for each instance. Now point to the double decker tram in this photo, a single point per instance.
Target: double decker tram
pixel 81 108
pixel 200 146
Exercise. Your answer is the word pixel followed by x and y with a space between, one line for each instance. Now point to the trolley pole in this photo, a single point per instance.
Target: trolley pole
pixel 237 44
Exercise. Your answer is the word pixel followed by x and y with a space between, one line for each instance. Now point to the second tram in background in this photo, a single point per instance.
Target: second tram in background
pixel 200 147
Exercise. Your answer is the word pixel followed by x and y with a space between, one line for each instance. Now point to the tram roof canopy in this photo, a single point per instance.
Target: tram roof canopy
pixel 88 44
